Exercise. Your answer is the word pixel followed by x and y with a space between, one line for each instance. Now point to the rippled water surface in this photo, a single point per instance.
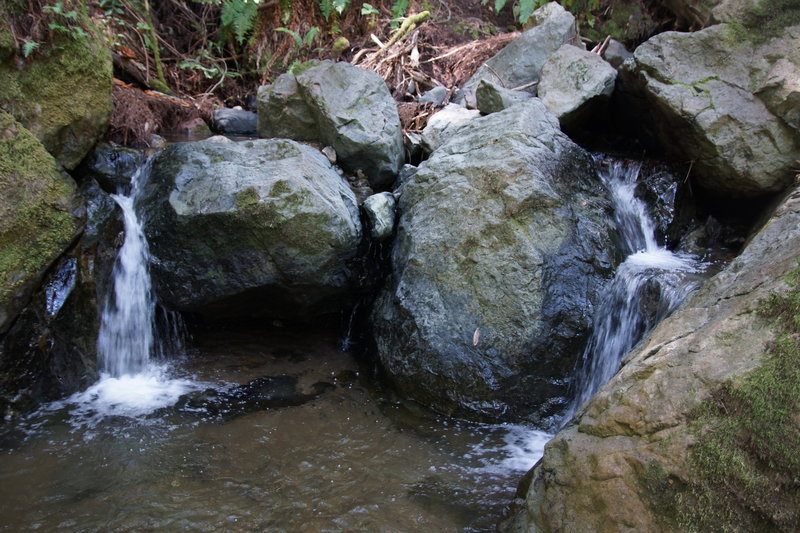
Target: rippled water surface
pixel 349 460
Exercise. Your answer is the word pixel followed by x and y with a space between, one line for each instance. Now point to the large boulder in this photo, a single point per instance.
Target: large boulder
pixel 617 465
pixel 521 61
pixel 575 83
pixel 714 100
pixel 259 228
pixel 342 106
pixel 503 244
pixel 40 215
pixel 63 95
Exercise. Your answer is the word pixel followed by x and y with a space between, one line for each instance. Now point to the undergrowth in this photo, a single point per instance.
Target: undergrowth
pixel 745 467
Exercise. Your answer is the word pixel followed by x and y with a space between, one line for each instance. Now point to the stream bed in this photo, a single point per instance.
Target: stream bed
pixel 351 459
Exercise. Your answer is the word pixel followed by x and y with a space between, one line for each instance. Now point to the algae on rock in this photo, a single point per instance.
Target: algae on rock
pixel 40 215
pixel 62 96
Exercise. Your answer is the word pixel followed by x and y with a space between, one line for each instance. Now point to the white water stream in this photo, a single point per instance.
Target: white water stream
pixel 648 285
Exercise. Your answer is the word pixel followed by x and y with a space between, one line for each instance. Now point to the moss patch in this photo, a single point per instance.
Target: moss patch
pixel 62 97
pixel 35 221
pixel 745 467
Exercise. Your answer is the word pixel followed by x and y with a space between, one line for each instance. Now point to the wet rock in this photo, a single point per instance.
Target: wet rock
pixel 593 475
pixel 701 92
pixel 50 349
pixel 112 166
pixel 234 121
pixel 521 61
pixel 257 228
pixel 503 244
pixel 342 106
pixel 444 124
pixel 575 84
pixel 40 216
pixel 269 392
pixel 491 98
pixel 380 210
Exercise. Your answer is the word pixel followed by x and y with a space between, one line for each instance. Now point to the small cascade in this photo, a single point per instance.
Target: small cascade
pixel 648 285
pixel 126 337
pixel 132 380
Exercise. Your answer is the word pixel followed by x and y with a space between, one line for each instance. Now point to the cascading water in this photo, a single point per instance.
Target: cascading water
pixel 131 382
pixel 648 285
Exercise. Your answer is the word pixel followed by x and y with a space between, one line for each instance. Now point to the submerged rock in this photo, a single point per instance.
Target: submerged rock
pixel 260 228
pixel 503 244
pixel 342 106
pixel 709 97
pixel 112 166
pixel 615 467
pixel 521 61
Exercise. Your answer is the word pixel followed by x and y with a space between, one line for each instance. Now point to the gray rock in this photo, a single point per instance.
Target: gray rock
pixel 492 98
pixel 342 106
pixel 435 96
pixel 234 121
pixel 112 166
pixel 780 91
pixel 700 88
pixel 503 242
pixel 592 473
pixel 261 228
pixel 521 61
pixel 575 83
pixel 616 53
pixel 444 124
pixel 380 210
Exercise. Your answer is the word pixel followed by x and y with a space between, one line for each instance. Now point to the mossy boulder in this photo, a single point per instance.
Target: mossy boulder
pixel 63 95
pixel 40 215
pixel 716 98
pixel 504 241
pixel 257 228
pixel 707 401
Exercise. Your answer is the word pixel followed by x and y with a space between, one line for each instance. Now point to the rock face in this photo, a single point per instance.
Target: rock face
pixel 521 61
pixel 444 124
pixel 575 82
pixel 593 473
pixel 491 98
pixel 50 349
pixel 62 97
pixel 503 243
pixel 713 99
pixel 40 215
pixel 342 106
pixel 262 228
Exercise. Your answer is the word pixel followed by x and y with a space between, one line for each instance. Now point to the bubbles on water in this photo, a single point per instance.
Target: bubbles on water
pixel 520 449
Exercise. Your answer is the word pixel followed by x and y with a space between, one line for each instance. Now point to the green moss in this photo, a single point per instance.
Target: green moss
pixel 68 87
pixel 247 198
pixel 764 22
pixel 279 188
pixel 35 222
pixel 745 467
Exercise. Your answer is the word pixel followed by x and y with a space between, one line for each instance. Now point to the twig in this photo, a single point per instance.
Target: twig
pixel 523 87
pixel 496 74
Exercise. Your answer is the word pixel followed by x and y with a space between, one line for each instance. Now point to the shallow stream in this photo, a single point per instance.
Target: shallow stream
pixel 350 460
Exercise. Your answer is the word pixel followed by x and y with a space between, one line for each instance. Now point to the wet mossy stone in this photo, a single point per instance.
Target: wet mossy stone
pixel 257 228
pixel 62 95
pixel 504 241
pixel 40 215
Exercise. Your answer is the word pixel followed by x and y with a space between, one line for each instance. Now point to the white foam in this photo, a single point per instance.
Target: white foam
pixel 129 395
pixel 523 447
pixel 663 259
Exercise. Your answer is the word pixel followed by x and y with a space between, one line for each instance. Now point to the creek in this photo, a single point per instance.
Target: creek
pixel 265 428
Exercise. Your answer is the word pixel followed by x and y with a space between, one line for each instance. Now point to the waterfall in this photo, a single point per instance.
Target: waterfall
pixel 132 382
pixel 648 285
pixel 126 338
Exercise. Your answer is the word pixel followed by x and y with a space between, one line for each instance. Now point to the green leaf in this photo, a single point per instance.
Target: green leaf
pixel 526 9
pixel 29 47
pixel 326 7
pixel 367 9
pixel 298 41
pixel 340 5
pixel 399 9
pixel 309 38
pixel 239 16
pixel 498 5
